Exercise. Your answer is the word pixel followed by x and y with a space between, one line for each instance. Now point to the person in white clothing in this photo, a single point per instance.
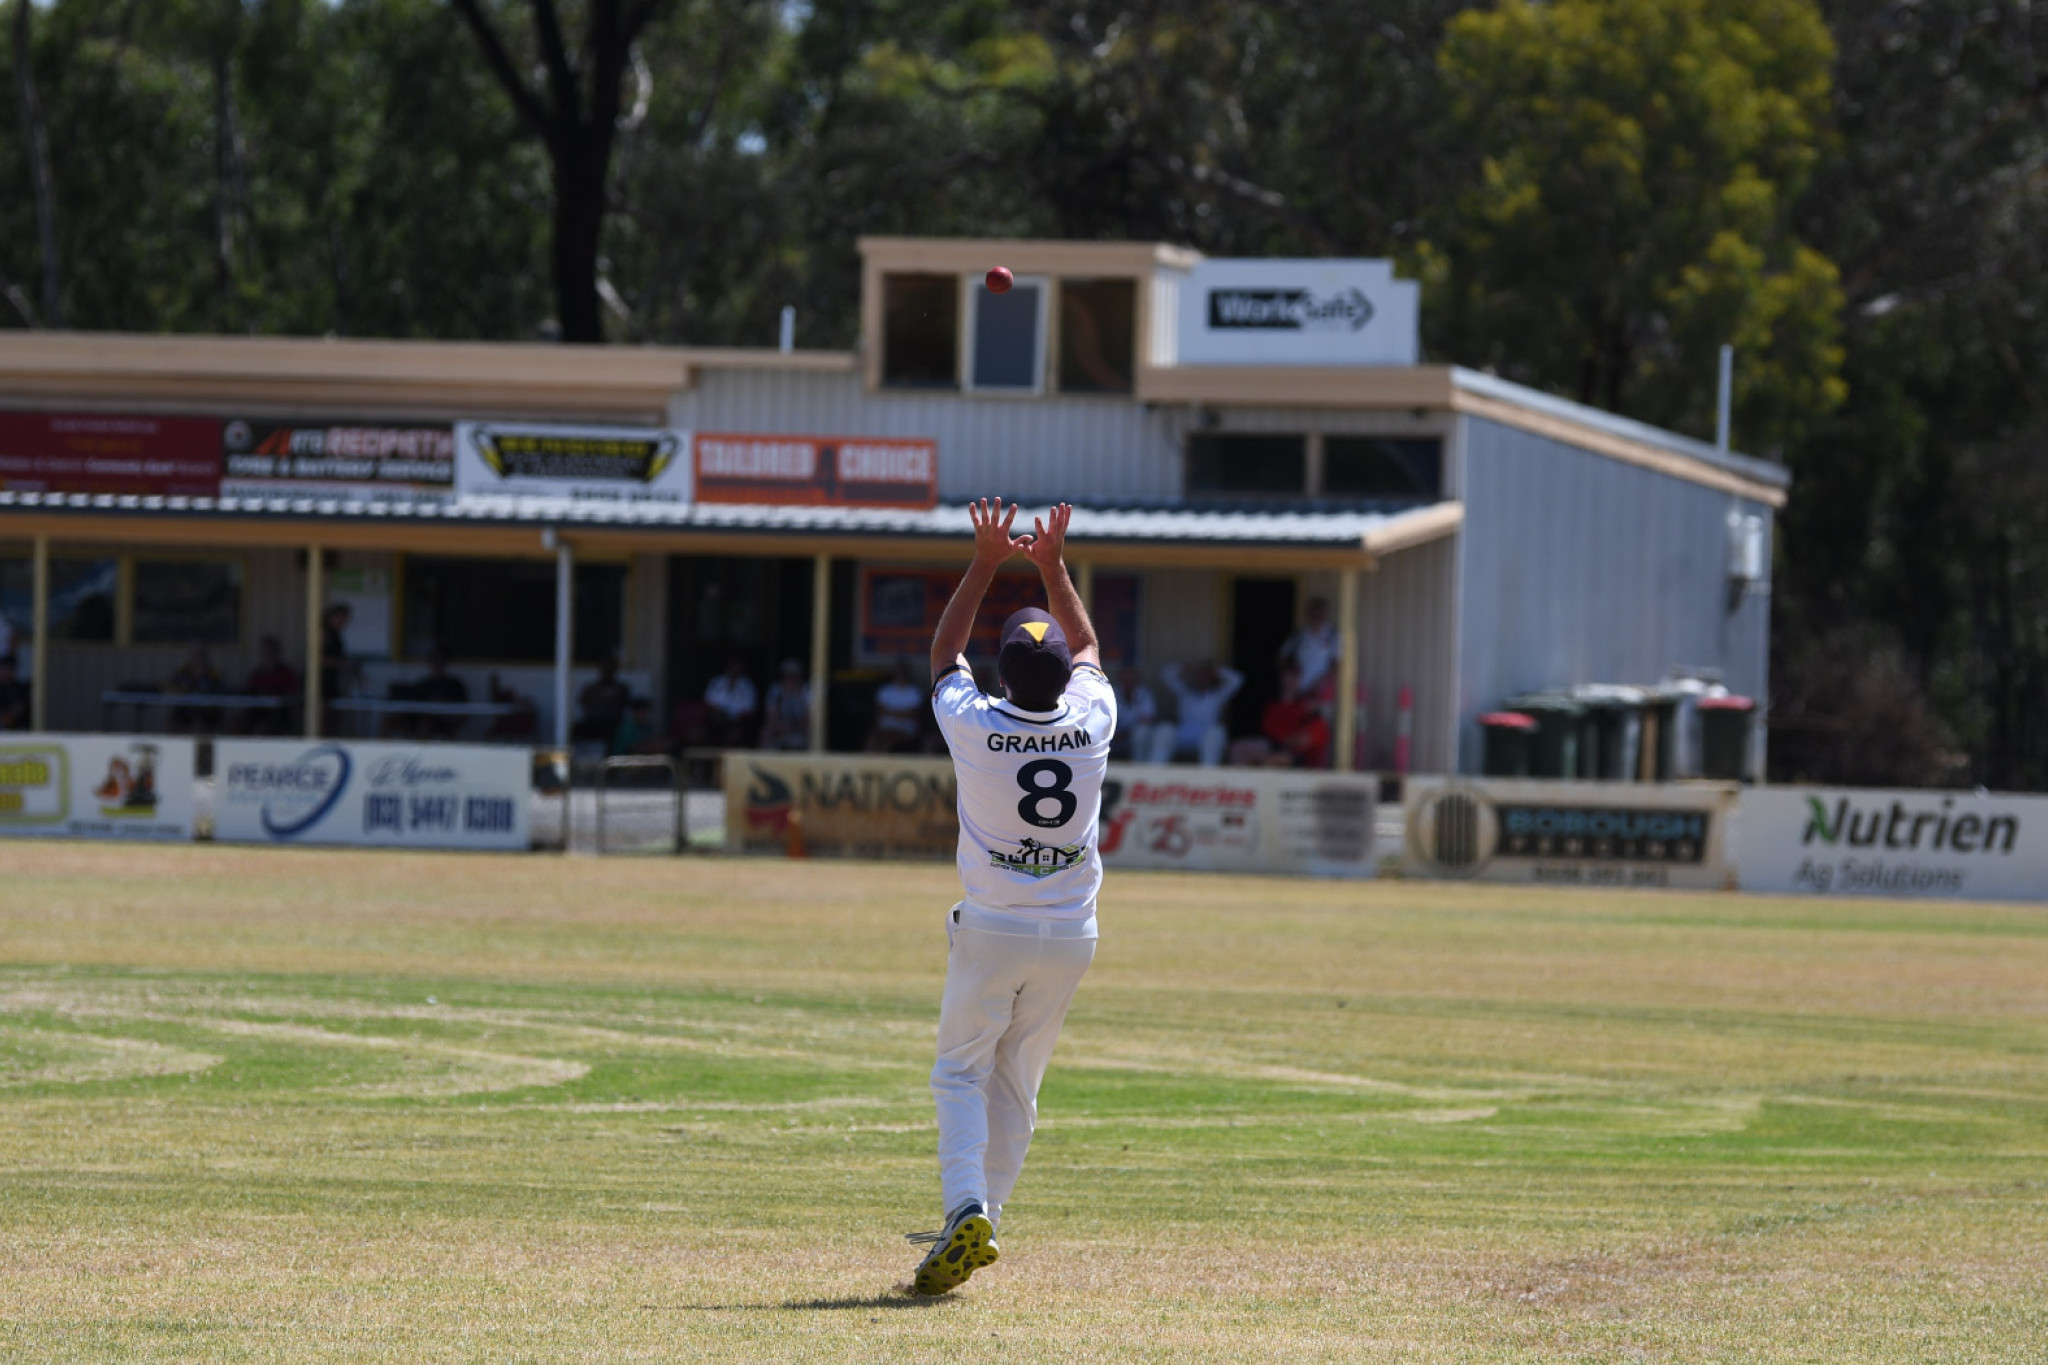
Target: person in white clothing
pixel 1202 692
pixel 732 703
pixel 1313 650
pixel 1029 766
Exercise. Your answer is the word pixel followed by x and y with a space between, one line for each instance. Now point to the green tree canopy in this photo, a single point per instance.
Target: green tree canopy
pixel 1634 168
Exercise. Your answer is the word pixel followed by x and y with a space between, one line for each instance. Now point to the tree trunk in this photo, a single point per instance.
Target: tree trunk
pixel 38 137
pixel 579 233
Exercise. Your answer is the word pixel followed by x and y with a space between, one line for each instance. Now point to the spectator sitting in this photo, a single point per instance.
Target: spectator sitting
pixel 603 703
pixel 15 698
pixel 272 677
pixel 1202 692
pixel 439 686
pixel 196 677
pixel 521 722
pixel 1136 713
pixel 734 705
pixel 900 709
pixel 786 710
pixel 635 734
pixel 1313 650
pixel 1294 723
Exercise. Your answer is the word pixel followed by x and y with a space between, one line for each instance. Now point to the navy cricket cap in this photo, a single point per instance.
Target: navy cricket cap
pixel 1034 661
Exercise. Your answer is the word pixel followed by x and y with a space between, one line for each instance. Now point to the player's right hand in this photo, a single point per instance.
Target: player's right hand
pixel 992 539
pixel 1048 540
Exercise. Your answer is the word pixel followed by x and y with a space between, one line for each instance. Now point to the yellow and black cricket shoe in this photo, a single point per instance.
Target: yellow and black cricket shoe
pixel 967 1243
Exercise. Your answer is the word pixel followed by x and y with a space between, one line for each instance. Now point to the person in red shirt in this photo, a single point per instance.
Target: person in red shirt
pixel 1294 722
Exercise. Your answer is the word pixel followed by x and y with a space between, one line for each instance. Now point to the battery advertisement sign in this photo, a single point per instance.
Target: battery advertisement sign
pixel 390 461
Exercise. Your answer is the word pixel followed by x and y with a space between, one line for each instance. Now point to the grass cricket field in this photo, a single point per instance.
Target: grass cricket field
pixel 346 1106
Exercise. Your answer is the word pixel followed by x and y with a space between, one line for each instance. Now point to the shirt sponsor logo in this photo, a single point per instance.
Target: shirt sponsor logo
pixel 1037 860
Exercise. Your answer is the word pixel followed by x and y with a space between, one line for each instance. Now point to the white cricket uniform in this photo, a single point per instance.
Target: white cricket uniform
pixel 1030 797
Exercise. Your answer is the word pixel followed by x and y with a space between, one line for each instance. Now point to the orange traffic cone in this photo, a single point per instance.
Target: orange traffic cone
pixel 795 847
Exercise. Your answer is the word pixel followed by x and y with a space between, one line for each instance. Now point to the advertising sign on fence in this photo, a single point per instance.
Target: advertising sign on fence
pixel 613 464
pixel 1836 842
pixel 850 471
pixel 96 786
pixel 1569 833
pixel 44 452
pixel 1239 820
pixel 281 791
pixel 393 461
pixel 841 805
pixel 1249 820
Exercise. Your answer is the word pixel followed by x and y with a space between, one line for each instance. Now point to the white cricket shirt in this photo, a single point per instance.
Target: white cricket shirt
pixel 1030 793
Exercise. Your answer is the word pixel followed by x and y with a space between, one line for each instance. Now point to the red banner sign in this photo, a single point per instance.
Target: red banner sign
pixel 43 452
pixel 846 471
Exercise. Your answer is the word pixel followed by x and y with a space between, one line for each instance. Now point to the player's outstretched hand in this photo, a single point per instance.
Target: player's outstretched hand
pixel 992 539
pixel 1048 540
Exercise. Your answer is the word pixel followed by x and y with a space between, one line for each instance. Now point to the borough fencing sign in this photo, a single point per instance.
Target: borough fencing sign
pixel 280 791
pixel 1842 842
pixel 1570 833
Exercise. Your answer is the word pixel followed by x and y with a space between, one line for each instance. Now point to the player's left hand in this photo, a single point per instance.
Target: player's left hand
pixel 1048 539
pixel 992 539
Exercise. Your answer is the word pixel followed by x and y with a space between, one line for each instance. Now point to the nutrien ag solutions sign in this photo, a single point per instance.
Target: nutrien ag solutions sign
pixel 1838 842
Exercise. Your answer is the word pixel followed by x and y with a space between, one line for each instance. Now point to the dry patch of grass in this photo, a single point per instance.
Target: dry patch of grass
pixel 301 1105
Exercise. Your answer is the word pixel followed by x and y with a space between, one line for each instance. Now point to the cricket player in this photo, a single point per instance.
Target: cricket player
pixel 1029 765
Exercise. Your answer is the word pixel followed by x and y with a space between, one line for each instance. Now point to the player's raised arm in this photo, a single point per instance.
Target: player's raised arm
pixel 992 545
pixel 1046 547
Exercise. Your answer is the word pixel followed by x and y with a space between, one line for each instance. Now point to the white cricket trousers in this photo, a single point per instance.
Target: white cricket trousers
pixel 1009 980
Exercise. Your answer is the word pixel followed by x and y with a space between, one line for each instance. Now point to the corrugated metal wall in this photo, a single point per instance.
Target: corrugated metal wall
pixel 1407 637
pixel 1036 448
pixel 1180 615
pixel 1578 568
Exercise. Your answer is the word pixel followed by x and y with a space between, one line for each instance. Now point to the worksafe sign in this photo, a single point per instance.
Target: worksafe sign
pixel 1569 833
pixel 613 464
pixel 1836 842
pixel 387 795
pixel 1302 312
pixel 96 786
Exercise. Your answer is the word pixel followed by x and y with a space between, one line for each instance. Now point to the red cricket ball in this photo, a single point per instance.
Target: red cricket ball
pixel 999 280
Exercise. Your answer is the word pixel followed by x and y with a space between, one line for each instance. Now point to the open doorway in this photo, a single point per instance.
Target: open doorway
pixel 1261 619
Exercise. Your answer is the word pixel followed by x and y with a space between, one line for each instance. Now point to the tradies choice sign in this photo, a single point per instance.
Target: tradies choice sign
pixel 105 453
pixel 610 464
pixel 1298 312
pixel 390 461
pixel 845 471
pixel 1837 842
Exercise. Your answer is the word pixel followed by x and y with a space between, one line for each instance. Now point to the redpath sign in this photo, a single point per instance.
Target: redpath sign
pixel 1838 842
pixel 849 471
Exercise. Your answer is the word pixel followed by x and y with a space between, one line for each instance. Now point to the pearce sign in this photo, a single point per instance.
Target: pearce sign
pixel 1832 841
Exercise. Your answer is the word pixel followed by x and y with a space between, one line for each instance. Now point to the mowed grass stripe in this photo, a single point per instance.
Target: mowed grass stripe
pixel 300 1105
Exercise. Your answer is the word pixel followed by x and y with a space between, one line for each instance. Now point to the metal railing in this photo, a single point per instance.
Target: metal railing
pixel 678 833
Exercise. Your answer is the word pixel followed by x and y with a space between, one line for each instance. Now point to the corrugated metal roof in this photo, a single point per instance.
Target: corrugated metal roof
pixel 1153 525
